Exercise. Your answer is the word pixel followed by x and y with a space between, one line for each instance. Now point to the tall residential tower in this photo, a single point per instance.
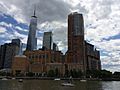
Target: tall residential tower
pixel 75 54
pixel 32 40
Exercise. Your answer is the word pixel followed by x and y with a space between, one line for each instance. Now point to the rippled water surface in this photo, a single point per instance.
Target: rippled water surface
pixel 56 85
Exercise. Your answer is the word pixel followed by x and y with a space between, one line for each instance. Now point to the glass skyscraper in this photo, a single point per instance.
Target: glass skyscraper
pixel 47 40
pixel 32 40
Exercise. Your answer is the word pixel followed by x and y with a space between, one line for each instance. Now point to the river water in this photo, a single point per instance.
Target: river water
pixel 56 85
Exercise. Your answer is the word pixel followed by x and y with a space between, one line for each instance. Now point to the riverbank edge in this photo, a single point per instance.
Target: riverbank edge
pixel 52 78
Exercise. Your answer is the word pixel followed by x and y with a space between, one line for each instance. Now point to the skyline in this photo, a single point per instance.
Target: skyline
pixel 54 18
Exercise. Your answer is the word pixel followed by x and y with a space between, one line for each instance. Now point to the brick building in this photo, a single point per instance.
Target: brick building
pixel 20 65
pixel 41 61
pixel 92 57
pixel 75 53
pixel 80 55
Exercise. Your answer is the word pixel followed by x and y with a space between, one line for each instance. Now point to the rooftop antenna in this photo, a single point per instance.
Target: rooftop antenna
pixel 34 13
pixel 34 10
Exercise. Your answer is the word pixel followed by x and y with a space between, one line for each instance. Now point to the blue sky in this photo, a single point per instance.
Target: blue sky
pixel 101 22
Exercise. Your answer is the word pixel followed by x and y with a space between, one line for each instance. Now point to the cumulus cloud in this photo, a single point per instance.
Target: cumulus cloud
pixel 101 24
pixel 46 10
pixel 2 30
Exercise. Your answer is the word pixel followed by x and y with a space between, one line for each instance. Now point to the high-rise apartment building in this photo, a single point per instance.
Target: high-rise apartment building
pixel 76 51
pixel 92 57
pixel 32 40
pixel 2 55
pixel 75 38
pixel 80 55
pixel 47 40
pixel 16 41
pixel 8 51
pixel 19 44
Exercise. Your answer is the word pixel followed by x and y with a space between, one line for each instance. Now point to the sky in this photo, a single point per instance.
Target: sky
pixel 101 23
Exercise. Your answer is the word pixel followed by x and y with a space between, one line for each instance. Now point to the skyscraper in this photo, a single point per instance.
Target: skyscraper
pixel 55 47
pixel 2 55
pixel 19 44
pixel 7 53
pixel 32 40
pixel 16 41
pixel 47 40
pixel 75 52
pixel 11 50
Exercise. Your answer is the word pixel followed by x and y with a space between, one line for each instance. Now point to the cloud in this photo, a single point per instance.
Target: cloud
pixel 99 31
pixel 45 10
pixel 21 29
pixel 4 24
pixel 2 30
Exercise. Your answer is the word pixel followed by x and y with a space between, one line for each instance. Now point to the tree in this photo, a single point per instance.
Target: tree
pixel 116 74
pixel 75 74
pixel 99 73
pixel 30 74
pixel 56 72
pixel 51 73
pixel 80 74
pixel 106 74
pixel 71 72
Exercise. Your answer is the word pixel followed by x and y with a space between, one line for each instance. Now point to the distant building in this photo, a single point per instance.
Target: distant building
pixel 42 60
pixel 39 56
pixel 16 41
pixel 56 66
pixel 32 40
pixel 7 53
pixel 92 57
pixel 47 40
pixel 2 55
pixel 19 44
pixel 55 47
pixel 80 55
pixel 20 65
pixel 75 53
pixel 10 51
pixel 0 58
pixel 39 69
pixel 57 57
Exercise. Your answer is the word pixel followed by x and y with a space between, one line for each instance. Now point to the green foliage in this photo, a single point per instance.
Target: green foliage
pixel 106 74
pixel 51 73
pixel 5 74
pixel 116 74
pixel 30 74
pixel 57 72
pixel 67 73
pixel 76 74
pixel 80 74
pixel 98 74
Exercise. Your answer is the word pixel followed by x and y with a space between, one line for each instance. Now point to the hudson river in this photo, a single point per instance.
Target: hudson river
pixel 56 85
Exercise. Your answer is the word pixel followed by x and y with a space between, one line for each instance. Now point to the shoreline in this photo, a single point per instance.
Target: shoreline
pixel 52 78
